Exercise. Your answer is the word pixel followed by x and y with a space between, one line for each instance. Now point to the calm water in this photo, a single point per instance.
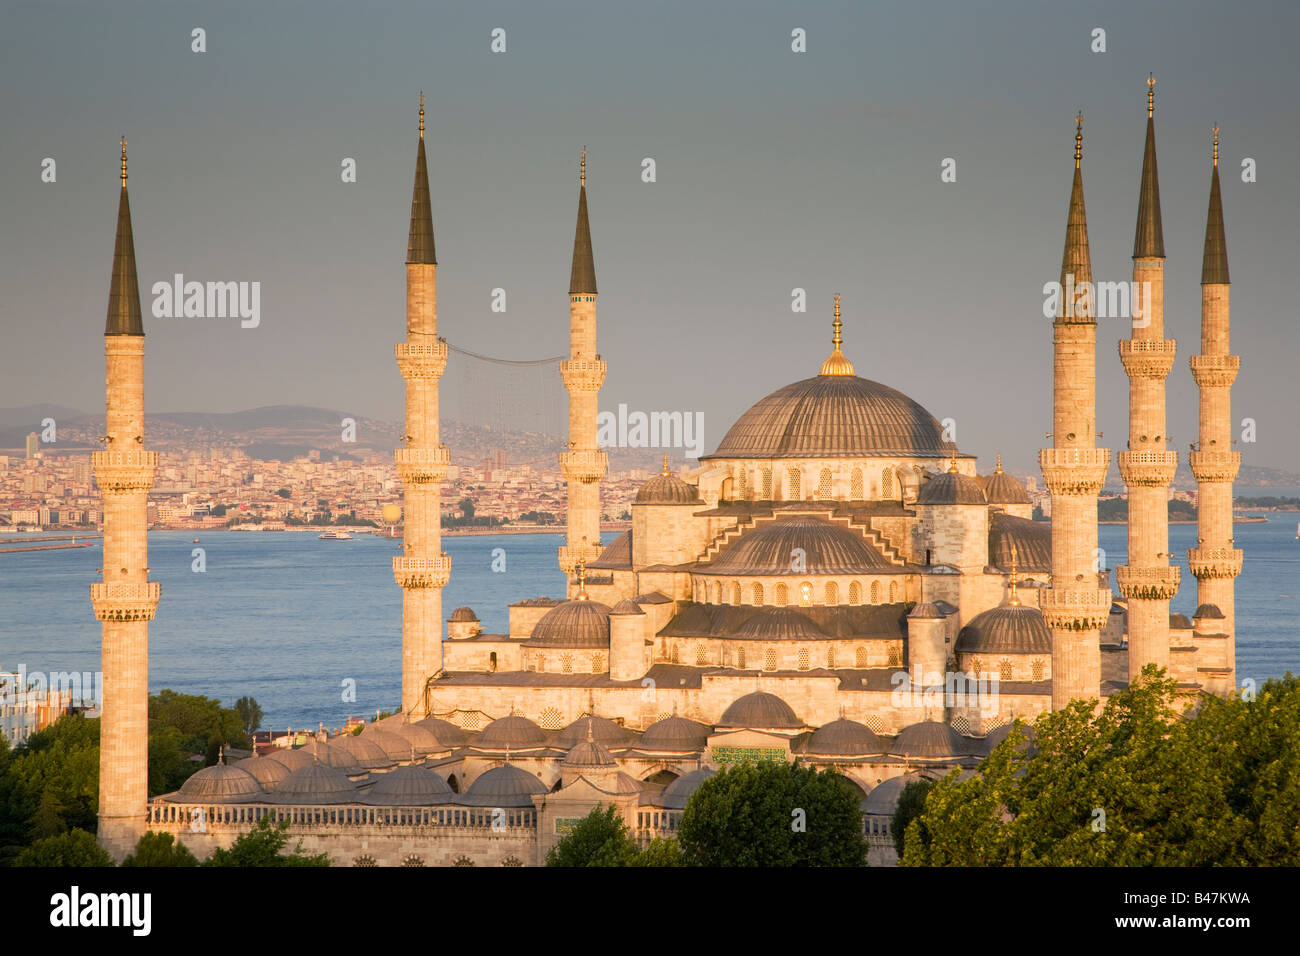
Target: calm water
pixel 286 617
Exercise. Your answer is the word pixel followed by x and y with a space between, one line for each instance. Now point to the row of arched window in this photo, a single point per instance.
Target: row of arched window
pixel 568 663
pixel 804 657
pixel 1006 669
pixel 766 485
pixel 877 593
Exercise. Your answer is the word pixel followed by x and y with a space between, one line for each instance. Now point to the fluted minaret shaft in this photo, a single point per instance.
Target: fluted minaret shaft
pixel 583 464
pixel 422 569
pixel 1214 561
pixel 1148 581
pixel 125 601
pixel 1076 605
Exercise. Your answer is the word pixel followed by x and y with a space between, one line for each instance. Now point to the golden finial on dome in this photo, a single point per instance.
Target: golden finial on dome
pixel 665 473
pixel 998 470
pixel 582 579
pixel 421 114
pixel 1014 599
pixel 836 363
pixel 1078 138
pixel 1216 144
pixel 952 467
pixel 1151 95
pixel 123 143
pixel 582 175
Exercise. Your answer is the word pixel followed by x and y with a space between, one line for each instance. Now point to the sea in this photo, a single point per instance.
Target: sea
pixel 312 629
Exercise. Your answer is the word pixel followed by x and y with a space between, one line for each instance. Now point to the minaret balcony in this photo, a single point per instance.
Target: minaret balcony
pixel 418 466
pixel 125 602
pixel 422 572
pixel 1074 471
pixel 586 466
pixel 1148 584
pixel 1215 466
pixel 1147 358
pixel 1148 468
pixel 1214 562
pixel 570 554
pixel 583 375
pixel 421 360
pixel 1215 371
pixel 1075 609
pixel 124 470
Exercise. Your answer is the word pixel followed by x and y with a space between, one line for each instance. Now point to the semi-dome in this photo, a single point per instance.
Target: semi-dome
pixel 760 710
pixel 675 735
pixel 293 759
pixel 506 786
pixel 463 614
pixel 835 416
pixel 828 548
pixel 589 754
pixel 677 793
pixel 779 624
pixel 1009 629
pixel 314 785
pixel 951 488
pixel 845 738
pixel 409 786
pixel 269 773
pixel 930 738
pixel 219 783
pixel 600 729
pixel 514 732
pixel 448 734
pixel 576 623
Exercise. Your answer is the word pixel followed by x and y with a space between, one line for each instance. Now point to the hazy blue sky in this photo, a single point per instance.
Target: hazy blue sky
pixel 775 170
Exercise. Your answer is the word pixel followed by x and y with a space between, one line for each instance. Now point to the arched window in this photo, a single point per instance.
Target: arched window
pixel 792 490
pixel 566 663
pixel 492 660
pixel 875 592
pixel 740 657
pixel 855 592
pixel 862 657
pixel 741 487
pixel 803 658
pixel 413 860
pixel 832 593
pixel 767 484
pixel 893 592
pixel 717 592
pixel 551 719
pixel 977 666
pixel 1004 670
pixel 830 657
pixel 824 484
pixel 539 663
pixel 769 659
pixel 735 592
pixel 757 594
pixel 676 656
pixel 887 483
pixel 597 663
pixel 1037 669
pixel 855 484
pixel 895 658
pixel 701 656
pixel 782 594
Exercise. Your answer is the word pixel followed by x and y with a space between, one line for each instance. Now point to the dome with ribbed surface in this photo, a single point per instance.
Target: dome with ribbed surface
pixel 677 793
pixel 600 729
pixel 1209 612
pixel 573 624
pixel 589 753
pixel 844 738
pixel 667 490
pixel 506 786
pixel 1025 736
pixel 394 745
pixel 269 773
pixel 463 614
pixel 834 416
pixel 409 786
pixel 1009 629
pixel 927 611
pixel 219 784
pixel 930 738
pixel 779 624
pixel 368 754
pixel 448 734
pixel 760 710
pixel 1032 541
pixel 626 607
pixel 1001 489
pixel 314 785
pixel 675 735
pixel 293 759
pixel 424 739
pixel 515 732
pixel 828 548
pixel 951 488
pixel 334 756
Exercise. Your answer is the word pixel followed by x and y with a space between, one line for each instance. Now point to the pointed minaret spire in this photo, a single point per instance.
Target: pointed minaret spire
pixel 582 278
pixel 1214 266
pixel 837 363
pixel 998 470
pixel 124 288
pixel 419 247
pixel 1076 261
pixel 1149 242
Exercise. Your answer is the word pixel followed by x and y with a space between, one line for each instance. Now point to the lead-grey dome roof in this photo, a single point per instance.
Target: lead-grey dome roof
pixel 667 490
pixel 675 734
pixel 314 785
pixel 363 748
pixel 506 786
pixel 575 623
pixel 219 783
pixel 293 759
pixel 590 753
pixel 761 710
pixel 409 786
pixel 448 734
pixel 779 624
pixel 602 730
pixel 334 756
pixel 677 793
pixel 834 416
pixel 1009 629
pixel 930 738
pixel 269 773
pixel 846 738
pixel 951 488
pixel 828 548
pixel 515 732
pixel 1001 489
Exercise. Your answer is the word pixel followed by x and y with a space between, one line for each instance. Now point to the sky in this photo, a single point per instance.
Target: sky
pixel 775 170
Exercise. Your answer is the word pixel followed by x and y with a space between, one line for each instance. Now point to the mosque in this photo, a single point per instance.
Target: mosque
pixel 837 583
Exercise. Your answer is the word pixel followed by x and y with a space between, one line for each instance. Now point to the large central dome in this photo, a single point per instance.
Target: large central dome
pixel 833 416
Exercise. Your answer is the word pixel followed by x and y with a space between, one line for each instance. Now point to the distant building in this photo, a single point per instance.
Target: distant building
pixel 33 445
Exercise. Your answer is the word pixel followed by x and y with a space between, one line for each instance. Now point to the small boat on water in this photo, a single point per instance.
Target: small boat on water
pixel 336 536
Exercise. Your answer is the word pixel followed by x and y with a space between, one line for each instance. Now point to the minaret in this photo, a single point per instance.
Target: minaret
pixel 1214 561
pixel 126 599
pixel 584 464
pixel 423 569
pixel 1077 603
pixel 1148 581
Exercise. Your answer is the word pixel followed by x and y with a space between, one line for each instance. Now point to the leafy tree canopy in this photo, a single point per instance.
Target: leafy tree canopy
pixel 75 848
pixel 264 846
pixel 160 849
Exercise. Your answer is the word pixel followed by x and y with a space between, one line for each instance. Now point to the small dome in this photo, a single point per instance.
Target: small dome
pixel 778 624
pixel 448 734
pixel 515 732
pixel 269 773
pixel 844 738
pixel 1001 489
pixel 1032 541
pixel 675 795
pixel 1179 621
pixel 409 786
pixel 927 611
pixel 463 614
pixel 1009 629
pixel 760 710
pixel 333 756
pixel 394 745
pixel 1209 611
pixel 220 784
pixel 589 753
pixel 363 748
pixel 951 488
pixel 422 739
pixel 293 759
pixel 675 735
pixel 315 785
pixel 602 730
pixel 995 737
pixel 506 786
pixel 930 738
pixel 626 607
pixel 573 624
pixel 667 489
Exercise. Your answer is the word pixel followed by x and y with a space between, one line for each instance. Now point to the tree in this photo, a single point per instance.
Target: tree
pixel 661 851
pixel 76 848
pixel 600 839
pixel 773 814
pixel 283 492
pixel 250 714
pixel 466 508
pixel 910 804
pixel 201 720
pixel 160 849
pixel 263 846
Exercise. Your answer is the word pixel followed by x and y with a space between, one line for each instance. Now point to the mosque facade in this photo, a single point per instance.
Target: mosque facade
pixel 836 583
